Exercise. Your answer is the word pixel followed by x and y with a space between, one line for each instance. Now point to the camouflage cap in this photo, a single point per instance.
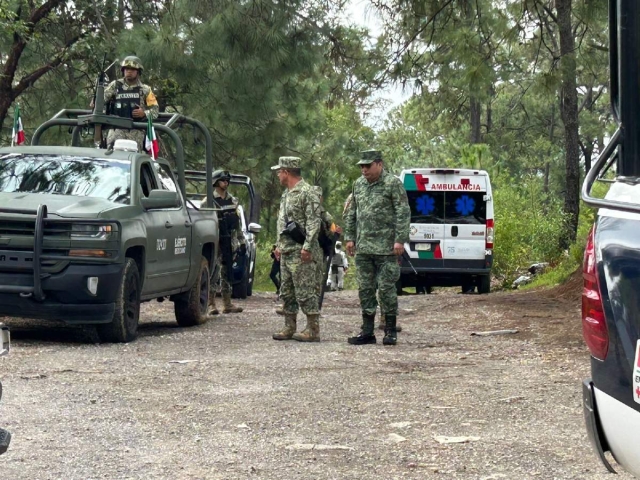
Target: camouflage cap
pixel 369 156
pixel 287 162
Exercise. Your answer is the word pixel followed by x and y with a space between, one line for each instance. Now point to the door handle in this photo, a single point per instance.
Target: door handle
pixel 187 223
pixel 168 224
pixel 454 231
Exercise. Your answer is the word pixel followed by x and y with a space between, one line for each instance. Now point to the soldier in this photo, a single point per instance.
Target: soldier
pixel 299 252
pixel 129 97
pixel 377 227
pixel 233 241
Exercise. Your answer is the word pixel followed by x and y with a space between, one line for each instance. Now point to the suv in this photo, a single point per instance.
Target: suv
pixel 611 269
pixel 451 235
pixel 5 346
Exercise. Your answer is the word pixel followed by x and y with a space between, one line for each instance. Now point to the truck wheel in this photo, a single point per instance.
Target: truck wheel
pixel 124 324
pixel 191 307
pixel 484 284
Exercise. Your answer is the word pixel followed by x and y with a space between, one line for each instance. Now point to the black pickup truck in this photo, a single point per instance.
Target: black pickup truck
pixel 611 269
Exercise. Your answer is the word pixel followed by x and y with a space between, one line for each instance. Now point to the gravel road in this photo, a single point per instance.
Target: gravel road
pixel 224 401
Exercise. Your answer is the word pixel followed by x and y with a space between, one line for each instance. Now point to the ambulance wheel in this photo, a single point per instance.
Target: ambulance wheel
pixel 484 284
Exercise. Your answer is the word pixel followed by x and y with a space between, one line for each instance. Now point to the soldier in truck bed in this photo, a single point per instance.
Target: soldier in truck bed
pixel 128 97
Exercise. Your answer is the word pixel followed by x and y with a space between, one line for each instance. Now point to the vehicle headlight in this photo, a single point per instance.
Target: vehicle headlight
pixel 88 230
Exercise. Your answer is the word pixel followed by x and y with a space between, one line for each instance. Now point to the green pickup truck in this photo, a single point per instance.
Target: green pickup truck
pixel 88 234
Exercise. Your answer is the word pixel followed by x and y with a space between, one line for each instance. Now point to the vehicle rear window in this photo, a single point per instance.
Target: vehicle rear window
pixel 426 207
pixel 465 208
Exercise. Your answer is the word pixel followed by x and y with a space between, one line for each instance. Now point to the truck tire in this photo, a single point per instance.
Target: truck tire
pixel 241 288
pixel 191 307
pixel 124 324
pixel 484 284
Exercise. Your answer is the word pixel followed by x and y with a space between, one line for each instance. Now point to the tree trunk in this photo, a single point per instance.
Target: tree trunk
pixel 475 109
pixel 569 111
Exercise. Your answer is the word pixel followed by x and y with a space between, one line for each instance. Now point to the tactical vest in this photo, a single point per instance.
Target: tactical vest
pixel 229 216
pixel 126 101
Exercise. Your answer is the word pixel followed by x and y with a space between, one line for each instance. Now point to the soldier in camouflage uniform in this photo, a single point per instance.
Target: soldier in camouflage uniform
pixel 298 261
pixel 377 227
pixel 231 215
pixel 129 97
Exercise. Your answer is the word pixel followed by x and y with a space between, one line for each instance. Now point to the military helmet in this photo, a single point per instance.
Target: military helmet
pixel 131 62
pixel 220 175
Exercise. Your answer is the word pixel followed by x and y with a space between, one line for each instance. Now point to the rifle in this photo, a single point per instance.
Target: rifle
pixel 98 104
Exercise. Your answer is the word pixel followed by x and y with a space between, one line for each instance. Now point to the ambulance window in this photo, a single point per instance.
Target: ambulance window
pixel 465 208
pixel 426 207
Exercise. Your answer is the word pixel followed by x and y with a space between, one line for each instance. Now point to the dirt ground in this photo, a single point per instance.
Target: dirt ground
pixel 225 401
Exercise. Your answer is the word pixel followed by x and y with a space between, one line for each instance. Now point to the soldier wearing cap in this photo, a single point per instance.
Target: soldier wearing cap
pixel 235 242
pixel 299 251
pixel 129 97
pixel 377 227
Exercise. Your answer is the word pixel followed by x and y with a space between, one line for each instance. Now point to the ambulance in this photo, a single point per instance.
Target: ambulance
pixel 452 228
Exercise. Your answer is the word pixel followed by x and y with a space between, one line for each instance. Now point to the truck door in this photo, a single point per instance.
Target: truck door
pixel 157 239
pixel 178 230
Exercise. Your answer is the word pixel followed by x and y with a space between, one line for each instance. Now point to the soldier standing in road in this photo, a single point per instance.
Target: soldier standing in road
pixel 235 241
pixel 377 227
pixel 128 97
pixel 299 252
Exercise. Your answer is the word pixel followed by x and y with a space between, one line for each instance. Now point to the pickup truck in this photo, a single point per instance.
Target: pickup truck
pixel 5 346
pixel 87 234
pixel 611 267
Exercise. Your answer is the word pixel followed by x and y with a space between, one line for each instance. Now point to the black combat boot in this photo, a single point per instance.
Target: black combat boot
pixel 366 336
pixel 390 332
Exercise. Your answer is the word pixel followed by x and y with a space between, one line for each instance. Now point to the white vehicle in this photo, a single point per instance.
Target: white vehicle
pixel 451 237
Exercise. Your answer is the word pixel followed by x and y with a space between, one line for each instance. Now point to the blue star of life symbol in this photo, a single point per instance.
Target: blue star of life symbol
pixel 465 205
pixel 425 204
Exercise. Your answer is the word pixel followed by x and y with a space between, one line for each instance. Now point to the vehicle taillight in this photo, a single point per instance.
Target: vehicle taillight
pixel 594 325
pixel 489 237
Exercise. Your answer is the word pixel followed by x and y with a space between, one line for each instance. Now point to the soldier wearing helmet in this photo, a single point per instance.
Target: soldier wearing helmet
pixel 232 239
pixel 129 97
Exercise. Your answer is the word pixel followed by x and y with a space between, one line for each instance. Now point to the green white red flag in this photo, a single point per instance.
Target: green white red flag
pixel 17 135
pixel 151 141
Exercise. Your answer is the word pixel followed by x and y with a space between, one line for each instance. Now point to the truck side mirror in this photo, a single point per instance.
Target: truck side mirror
pixel 254 228
pixel 158 199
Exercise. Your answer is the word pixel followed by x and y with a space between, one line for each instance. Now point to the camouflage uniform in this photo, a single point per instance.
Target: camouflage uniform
pixel 299 281
pixel 377 217
pixel 237 240
pixel 148 103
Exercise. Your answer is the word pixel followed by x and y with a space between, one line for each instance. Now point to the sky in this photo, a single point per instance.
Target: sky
pixel 362 13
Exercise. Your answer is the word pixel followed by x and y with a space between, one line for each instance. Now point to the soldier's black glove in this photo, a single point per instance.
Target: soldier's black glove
pixel 242 250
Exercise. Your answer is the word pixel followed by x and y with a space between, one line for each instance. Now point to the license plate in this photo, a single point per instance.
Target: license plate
pixel 425 247
pixel 5 339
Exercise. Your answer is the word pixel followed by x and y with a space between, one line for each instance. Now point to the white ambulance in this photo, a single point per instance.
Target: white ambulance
pixel 451 237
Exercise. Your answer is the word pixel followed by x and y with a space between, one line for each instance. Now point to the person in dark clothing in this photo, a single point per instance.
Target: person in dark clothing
pixel 275 270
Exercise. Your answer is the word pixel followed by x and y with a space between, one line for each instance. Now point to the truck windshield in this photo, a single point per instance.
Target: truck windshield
pixel 66 175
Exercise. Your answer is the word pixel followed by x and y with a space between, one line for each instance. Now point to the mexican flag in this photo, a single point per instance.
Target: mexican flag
pixel 151 141
pixel 17 135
